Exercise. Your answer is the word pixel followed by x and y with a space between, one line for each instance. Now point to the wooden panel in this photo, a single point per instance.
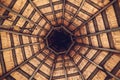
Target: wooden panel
pixel 101 3
pixel 39 77
pixel 77 57
pixel 76 2
pixel 71 70
pixel 100 57
pixel 111 17
pixel 45 69
pixel 19 55
pixel 89 8
pixel 104 40
pixel 16 40
pixel 116 39
pixel 100 22
pixel 28 51
pixel 8 59
pixel 18 76
pixel 25 39
pixel 28 11
pixel 5 38
pixel 70 8
pixel 112 62
pixel 89 70
pixel 19 4
pixel 99 76
pixel 94 40
pixel 27 69
pixel 58 73
pixel 91 53
pixel 82 15
pixel 74 78
pixel 35 62
pixel 82 64
pixel 58 7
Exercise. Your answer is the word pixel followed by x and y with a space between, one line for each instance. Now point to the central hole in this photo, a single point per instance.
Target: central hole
pixel 60 40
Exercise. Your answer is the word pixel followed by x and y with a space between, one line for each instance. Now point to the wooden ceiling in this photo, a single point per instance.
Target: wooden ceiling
pixel 95 25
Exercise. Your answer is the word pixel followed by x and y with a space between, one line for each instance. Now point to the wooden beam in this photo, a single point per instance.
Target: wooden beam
pixel 80 7
pixel 107 26
pixel 79 18
pixel 93 4
pixel 39 12
pixel 101 63
pixel 19 46
pixel 117 11
pixel 96 14
pixel 16 13
pixel 64 67
pixel 53 68
pixel 53 11
pixel 21 12
pixel 17 33
pixel 98 48
pixel 48 5
pixel 17 67
pixel 99 32
pixel 63 12
pixel 100 67
pixel 39 66
pixel 81 75
pixel 75 6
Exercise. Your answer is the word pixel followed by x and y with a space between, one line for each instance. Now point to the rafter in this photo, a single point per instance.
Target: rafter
pixel 96 14
pixel 39 12
pixel 16 13
pixel 100 67
pixel 53 11
pixel 81 75
pixel 64 67
pixel 18 33
pixel 99 48
pixel 48 4
pixel 107 26
pixel 80 7
pixel 17 67
pixel 63 11
pixel 39 66
pixel 75 6
pixel 99 32
pixel 53 68
pixel 19 46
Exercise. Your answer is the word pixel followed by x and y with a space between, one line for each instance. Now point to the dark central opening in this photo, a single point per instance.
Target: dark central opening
pixel 60 40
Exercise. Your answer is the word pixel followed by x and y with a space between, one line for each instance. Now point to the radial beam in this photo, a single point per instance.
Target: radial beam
pixel 17 67
pixel 53 68
pixel 100 32
pixel 19 46
pixel 39 12
pixel 65 71
pixel 39 66
pixel 100 67
pixel 96 14
pixel 80 7
pixel 98 48
pixel 53 11
pixel 63 12
pixel 16 13
pixel 17 33
pixel 81 75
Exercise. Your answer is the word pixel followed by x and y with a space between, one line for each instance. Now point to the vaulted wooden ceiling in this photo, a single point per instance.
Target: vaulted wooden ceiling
pixel 95 25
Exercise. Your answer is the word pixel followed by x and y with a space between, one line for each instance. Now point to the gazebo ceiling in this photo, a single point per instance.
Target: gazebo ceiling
pixel 86 32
